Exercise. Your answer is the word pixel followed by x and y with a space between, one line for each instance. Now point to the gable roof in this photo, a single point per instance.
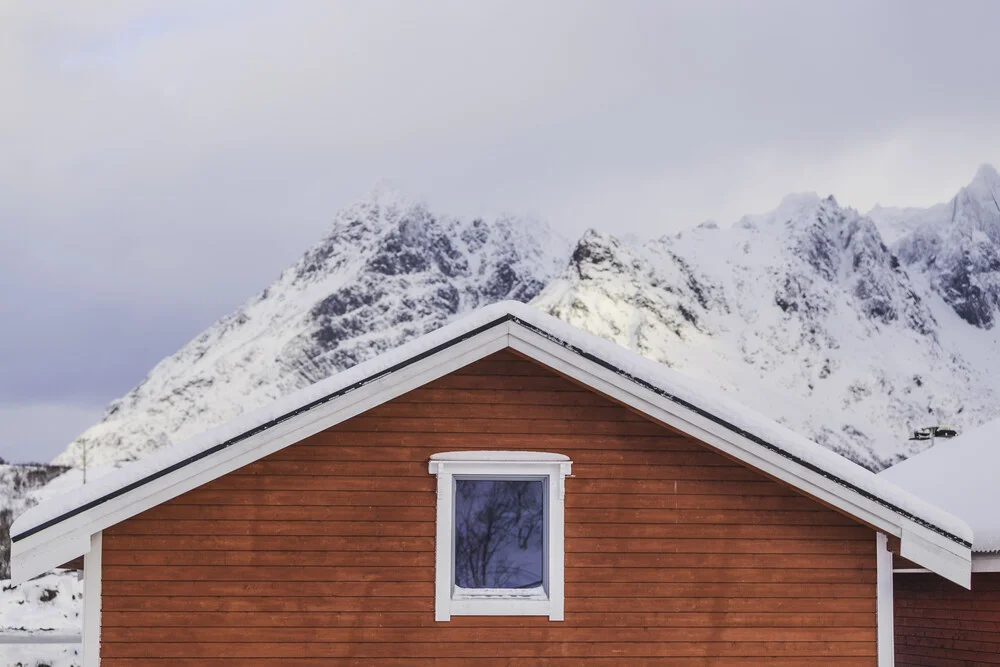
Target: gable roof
pixel 960 475
pixel 60 529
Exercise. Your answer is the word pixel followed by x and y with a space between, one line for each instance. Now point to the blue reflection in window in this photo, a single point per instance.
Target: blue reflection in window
pixel 499 533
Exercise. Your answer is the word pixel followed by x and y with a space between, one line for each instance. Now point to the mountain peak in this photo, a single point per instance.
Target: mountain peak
pixel 390 269
pixel 986 175
pixel 388 192
pixel 958 246
pixel 596 251
pixel 792 207
pixel 798 201
pixel 985 189
pixel 979 202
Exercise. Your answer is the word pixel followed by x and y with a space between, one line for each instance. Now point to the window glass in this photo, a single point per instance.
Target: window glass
pixel 499 533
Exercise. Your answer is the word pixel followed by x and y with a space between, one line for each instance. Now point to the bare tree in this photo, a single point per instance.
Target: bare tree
pixel 498 533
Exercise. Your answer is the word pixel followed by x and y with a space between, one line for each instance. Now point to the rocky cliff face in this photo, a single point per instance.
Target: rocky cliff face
pixel 803 314
pixel 957 248
pixel 388 270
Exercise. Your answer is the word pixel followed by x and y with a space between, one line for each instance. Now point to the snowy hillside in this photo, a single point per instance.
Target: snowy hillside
pixel 956 246
pixel 388 270
pixel 803 313
pixel 20 486
pixel 52 602
pixel 40 621
pixel 46 608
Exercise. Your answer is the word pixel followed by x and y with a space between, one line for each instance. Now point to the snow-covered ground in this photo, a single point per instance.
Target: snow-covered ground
pixel 40 621
pixel 50 603
pixel 40 655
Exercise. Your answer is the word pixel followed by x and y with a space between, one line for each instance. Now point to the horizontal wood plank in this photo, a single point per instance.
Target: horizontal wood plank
pixel 575 560
pixel 635 457
pixel 475 635
pixel 663 441
pixel 304 497
pixel 319 619
pixel 602 605
pixel 426 589
pixel 420 511
pixel 322 573
pixel 537 427
pixel 387 661
pixel 261 527
pixel 939 624
pixel 468 650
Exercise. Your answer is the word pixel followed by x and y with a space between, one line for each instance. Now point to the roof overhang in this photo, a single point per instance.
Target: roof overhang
pixel 43 545
pixel 986 561
pixel 982 562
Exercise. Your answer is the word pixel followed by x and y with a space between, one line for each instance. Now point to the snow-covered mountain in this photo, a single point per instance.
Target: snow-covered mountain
pixel 956 246
pixel 803 313
pixel 388 270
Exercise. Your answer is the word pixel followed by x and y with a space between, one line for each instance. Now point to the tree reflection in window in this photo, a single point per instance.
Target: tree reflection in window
pixel 499 536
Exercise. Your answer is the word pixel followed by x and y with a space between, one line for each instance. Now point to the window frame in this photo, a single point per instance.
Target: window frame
pixel 552 469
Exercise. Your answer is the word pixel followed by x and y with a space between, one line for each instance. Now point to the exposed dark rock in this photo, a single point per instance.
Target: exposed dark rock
pixel 958 246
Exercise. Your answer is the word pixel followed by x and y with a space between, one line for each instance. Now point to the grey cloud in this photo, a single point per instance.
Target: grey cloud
pixel 37 432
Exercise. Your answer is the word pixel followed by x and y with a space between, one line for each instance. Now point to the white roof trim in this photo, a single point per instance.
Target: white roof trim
pixel 981 562
pixel 985 562
pixel 942 554
pixel 935 539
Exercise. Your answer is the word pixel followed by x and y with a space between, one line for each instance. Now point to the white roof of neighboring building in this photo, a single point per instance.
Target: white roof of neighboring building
pixel 60 529
pixel 960 475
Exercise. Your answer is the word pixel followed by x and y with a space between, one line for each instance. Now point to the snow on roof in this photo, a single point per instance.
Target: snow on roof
pixel 739 417
pixel 251 422
pixel 959 475
pixel 673 385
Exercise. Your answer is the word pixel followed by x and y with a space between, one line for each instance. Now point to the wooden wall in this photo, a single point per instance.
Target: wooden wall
pixel 941 624
pixel 323 553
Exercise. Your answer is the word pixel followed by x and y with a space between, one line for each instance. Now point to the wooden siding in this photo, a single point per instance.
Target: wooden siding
pixel 323 553
pixel 941 624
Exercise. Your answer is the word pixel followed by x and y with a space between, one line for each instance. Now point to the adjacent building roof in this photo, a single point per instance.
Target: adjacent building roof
pixel 60 529
pixel 960 476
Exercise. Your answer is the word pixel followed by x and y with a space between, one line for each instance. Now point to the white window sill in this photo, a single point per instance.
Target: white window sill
pixel 500 607
pixel 537 593
pixel 500 602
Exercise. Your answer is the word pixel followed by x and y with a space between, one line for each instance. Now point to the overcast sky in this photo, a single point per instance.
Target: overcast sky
pixel 161 162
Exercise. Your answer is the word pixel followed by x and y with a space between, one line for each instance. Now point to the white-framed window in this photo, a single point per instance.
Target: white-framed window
pixel 500 533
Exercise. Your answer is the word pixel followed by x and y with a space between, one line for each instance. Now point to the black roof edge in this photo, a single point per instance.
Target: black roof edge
pixel 259 429
pixel 450 343
pixel 746 434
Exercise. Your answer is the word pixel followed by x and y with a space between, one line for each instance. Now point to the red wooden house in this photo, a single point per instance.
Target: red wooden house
pixel 504 491
pixel 936 622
